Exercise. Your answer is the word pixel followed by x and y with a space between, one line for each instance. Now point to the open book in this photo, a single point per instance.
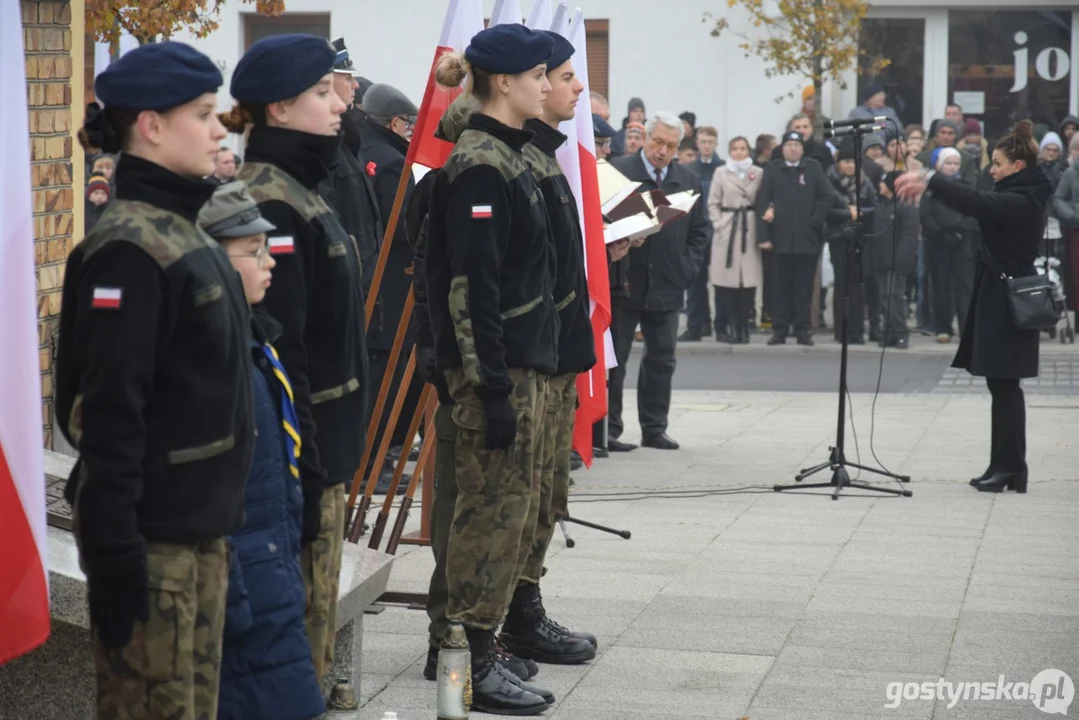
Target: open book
pixel 614 187
pixel 672 207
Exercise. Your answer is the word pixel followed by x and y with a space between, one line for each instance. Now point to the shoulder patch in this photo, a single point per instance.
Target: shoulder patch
pixel 106 298
pixel 283 245
pixel 481 212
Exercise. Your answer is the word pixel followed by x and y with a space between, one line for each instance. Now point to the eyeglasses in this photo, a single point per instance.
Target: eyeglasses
pixel 603 143
pixel 409 123
pixel 262 255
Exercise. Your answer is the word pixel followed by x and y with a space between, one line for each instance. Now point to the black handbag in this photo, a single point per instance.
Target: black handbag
pixel 1033 299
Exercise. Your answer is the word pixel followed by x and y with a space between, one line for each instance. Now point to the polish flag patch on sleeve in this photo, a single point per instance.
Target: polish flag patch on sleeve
pixel 107 298
pixel 282 245
pixel 481 212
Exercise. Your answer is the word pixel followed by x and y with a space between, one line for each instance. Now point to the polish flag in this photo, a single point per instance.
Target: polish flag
pixel 283 245
pixel 24 583
pixel 506 12
pixel 464 18
pixel 107 298
pixel 578 160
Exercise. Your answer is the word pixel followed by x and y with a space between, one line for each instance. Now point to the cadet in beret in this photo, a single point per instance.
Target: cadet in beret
pixel 490 281
pixel 527 631
pixel 602 132
pixel 154 391
pixel 266 667
pixel 390 119
pixel 284 88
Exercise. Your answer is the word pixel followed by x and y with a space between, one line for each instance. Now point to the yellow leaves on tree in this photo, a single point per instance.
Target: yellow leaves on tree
pixel 150 20
pixel 811 39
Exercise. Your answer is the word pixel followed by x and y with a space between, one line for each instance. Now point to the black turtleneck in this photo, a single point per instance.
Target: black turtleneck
pixel 145 181
pixel 304 156
pixel 547 138
pixel 516 138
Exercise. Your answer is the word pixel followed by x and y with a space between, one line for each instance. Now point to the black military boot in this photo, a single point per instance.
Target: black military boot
pixel 529 633
pixel 494 689
pixel 524 669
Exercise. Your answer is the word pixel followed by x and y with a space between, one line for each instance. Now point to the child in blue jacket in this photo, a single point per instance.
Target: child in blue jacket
pixel 266 667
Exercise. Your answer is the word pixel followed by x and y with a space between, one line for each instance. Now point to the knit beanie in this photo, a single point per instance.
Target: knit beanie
pixel 941 154
pixel 98 182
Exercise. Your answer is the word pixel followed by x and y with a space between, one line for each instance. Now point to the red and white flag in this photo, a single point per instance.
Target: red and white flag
pixel 24 583
pixel 464 18
pixel 282 245
pixel 578 160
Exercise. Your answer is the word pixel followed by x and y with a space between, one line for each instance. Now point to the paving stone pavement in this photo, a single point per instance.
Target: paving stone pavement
pixel 733 601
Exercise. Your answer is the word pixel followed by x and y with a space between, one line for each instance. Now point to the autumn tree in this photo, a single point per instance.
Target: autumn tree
pixel 811 39
pixel 151 20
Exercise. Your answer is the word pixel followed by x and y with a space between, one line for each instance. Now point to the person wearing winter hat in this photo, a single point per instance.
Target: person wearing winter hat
pixel 872 151
pixel 947 134
pixel 635 114
pixel 1067 129
pixel 283 86
pixel 633 139
pixel 809 109
pixel 98 191
pixel 1049 157
pixel 153 389
pixel 974 143
pixel 873 106
pixel 490 266
pixel 949 238
pixel 793 201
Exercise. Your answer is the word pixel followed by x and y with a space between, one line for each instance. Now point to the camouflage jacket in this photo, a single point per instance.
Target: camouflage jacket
pixel 488 261
pixel 576 347
pixel 317 296
pixel 153 380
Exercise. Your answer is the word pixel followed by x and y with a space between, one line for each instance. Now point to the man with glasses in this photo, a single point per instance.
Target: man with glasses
pixel 391 119
pixel 658 274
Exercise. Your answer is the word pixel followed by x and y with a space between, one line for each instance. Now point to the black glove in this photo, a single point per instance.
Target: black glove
pixel 117 600
pixel 501 423
pixel 427 364
pixel 312 513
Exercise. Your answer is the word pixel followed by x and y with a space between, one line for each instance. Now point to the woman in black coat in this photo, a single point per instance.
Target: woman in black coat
pixel 1012 221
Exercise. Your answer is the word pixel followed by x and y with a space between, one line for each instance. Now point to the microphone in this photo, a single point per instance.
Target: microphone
pixel 850 130
pixel 855 122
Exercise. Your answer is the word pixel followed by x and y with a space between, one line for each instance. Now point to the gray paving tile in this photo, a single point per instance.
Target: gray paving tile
pixel 734 635
pixel 385 654
pixel 651 703
pixel 879 660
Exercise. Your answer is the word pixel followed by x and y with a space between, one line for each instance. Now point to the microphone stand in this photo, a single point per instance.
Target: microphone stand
pixel 837 460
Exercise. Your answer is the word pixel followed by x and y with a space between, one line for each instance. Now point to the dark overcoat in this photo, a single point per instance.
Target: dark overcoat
pixel 1012 221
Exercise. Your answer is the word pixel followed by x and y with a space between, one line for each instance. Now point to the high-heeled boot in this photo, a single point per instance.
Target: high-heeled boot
pixel 1002 481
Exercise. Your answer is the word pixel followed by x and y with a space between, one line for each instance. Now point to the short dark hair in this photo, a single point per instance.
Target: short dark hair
pixel 687 144
pixel 954 105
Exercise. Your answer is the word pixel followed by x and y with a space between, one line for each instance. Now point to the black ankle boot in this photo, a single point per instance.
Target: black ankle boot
pixel 524 669
pixel 494 689
pixel 989 472
pixel 1002 481
pixel 529 633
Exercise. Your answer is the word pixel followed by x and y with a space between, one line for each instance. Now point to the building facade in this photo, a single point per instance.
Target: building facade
pixel 666 55
pixel 53 44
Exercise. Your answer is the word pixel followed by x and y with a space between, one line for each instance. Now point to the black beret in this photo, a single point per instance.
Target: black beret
pixel 508 49
pixel 280 67
pixel 561 52
pixel 157 77
pixel 601 128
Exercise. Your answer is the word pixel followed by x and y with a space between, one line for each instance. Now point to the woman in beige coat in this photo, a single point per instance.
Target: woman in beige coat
pixel 736 260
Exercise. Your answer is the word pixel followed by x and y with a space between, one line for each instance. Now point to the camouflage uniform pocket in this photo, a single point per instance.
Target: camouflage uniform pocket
pixel 169 632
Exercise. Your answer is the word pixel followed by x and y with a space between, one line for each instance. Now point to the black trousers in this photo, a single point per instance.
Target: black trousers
pixel 951 269
pixel 1008 445
pixel 660 330
pixel 739 304
pixel 793 293
pixel 891 289
pixel 856 309
pixel 698 313
pixel 768 269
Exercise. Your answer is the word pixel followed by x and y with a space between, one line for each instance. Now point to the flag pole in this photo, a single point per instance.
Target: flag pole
pixel 410 437
pixel 387 241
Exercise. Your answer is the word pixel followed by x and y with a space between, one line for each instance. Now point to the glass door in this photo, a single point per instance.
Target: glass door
pixel 902 42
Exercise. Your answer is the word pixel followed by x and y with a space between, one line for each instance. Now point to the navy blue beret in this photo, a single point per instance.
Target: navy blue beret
pixel 601 128
pixel 157 77
pixel 508 49
pixel 561 52
pixel 280 67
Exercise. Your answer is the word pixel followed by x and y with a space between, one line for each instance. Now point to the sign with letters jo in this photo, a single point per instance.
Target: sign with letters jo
pixel 1051 64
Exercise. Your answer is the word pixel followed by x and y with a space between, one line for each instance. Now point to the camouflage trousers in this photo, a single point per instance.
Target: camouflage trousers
pixel 554 458
pixel 442 520
pixel 490 536
pixel 320 563
pixel 171 668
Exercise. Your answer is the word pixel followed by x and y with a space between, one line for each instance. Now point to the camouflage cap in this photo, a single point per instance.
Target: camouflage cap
pixel 232 213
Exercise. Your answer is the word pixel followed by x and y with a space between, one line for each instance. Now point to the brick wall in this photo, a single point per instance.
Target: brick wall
pixel 47 39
